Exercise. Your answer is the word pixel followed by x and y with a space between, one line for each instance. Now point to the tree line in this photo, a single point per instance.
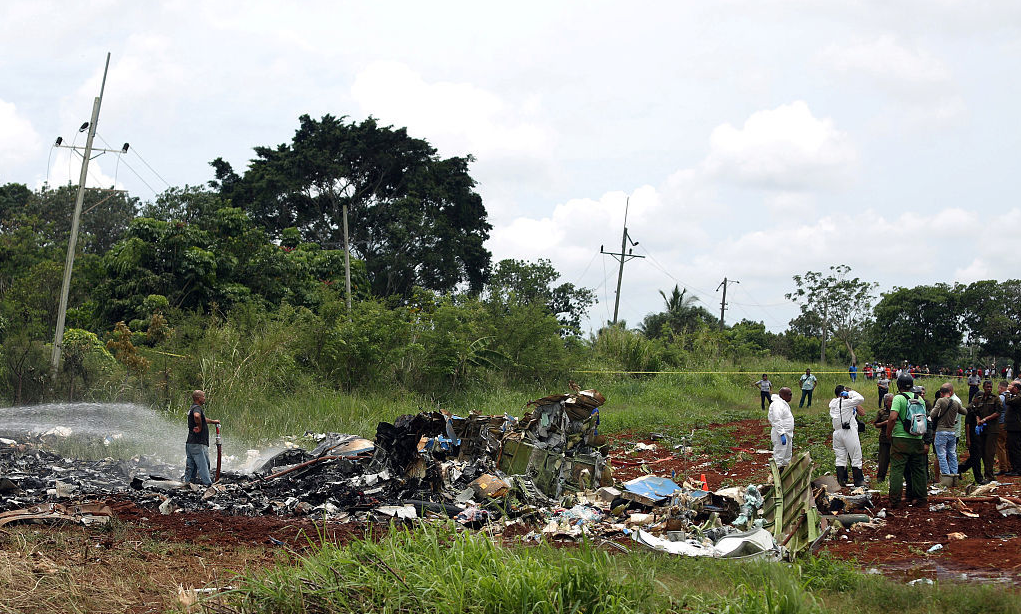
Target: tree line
pixel 241 282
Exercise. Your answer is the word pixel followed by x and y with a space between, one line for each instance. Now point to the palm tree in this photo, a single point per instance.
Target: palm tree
pixel 682 313
pixel 679 302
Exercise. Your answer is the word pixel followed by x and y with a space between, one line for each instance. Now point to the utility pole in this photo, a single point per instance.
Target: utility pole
pixel 347 266
pixel 825 330
pixel 723 303
pixel 622 258
pixel 58 338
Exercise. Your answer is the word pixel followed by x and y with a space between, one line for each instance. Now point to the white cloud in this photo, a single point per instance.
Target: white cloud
pixel 922 83
pixel 144 81
pixel 66 168
pixel 887 61
pixel 975 271
pixel 794 205
pixel 19 138
pixel 456 117
pixel 786 148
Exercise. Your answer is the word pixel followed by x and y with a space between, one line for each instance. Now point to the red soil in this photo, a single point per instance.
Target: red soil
pixel 740 465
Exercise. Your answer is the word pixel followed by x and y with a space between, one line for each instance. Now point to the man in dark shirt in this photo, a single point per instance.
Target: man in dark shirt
pixel 196 468
pixel 1012 426
pixel 884 441
pixel 984 418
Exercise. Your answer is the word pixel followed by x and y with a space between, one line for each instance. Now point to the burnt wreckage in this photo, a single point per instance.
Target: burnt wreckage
pixel 547 472
pixel 432 462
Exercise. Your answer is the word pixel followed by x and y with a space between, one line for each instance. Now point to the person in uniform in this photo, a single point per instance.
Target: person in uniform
pixel 985 408
pixel 882 417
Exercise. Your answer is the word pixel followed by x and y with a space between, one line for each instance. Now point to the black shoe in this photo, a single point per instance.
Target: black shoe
pixel 859 477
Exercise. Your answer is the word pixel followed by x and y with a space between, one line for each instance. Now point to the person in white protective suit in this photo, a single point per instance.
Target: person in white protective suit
pixel 844 411
pixel 782 421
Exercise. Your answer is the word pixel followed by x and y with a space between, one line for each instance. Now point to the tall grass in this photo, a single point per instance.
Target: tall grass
pixel 664 402
pixel 436 569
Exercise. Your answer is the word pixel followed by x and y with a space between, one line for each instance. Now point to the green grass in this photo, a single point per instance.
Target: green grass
pixel 666 402
pixel 435 569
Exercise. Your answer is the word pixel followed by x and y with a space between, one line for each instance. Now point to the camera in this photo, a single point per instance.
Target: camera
pixel 846 426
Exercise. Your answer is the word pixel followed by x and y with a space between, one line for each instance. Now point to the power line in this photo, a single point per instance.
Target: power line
pixel 763 307
pixel 120 158
pixel 578 278
pixel 165 182
pixel 663 269
pixel 606 298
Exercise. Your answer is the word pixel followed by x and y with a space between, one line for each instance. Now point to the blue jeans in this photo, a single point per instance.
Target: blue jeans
pixel 196 466
pixel 946 452
pixel 805 393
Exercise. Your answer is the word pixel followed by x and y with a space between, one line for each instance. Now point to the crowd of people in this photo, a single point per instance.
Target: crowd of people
pixel 910 426
pixel 878 370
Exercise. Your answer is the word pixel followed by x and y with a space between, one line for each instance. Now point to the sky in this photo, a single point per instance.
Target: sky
pixel 754 139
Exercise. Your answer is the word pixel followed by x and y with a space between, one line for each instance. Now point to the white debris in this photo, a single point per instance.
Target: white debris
pixel 1008 508
pixel 167 507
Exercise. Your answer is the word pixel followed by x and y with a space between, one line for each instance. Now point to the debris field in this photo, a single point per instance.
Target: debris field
pixel 550 475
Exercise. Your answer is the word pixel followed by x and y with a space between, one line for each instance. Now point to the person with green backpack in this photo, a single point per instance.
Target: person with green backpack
pixel 905 428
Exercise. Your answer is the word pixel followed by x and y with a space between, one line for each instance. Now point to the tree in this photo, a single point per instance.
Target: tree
pixel 750 338
pixel 201 250
pixel 518 282
pixel 414 218
pixel 837 305
pixel 682 313
pixel 920 324
pixel 105 215
pixel 991 315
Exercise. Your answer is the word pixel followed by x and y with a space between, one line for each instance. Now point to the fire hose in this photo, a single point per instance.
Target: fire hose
pixel 219 453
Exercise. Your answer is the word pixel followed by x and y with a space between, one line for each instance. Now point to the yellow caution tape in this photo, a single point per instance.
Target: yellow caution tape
pixel 736 373
pixel 164 353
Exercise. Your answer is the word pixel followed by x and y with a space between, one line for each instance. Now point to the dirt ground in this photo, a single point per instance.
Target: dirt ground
pixel 214 528
pixel 738 465
pixel 990 550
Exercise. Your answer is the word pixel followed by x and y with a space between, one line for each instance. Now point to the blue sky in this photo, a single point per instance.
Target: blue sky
pixel 756 139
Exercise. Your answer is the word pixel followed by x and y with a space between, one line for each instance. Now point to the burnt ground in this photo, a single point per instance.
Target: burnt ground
pixel 215 528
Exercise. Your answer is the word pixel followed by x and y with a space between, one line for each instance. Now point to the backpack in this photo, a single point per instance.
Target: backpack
pixel 915 417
